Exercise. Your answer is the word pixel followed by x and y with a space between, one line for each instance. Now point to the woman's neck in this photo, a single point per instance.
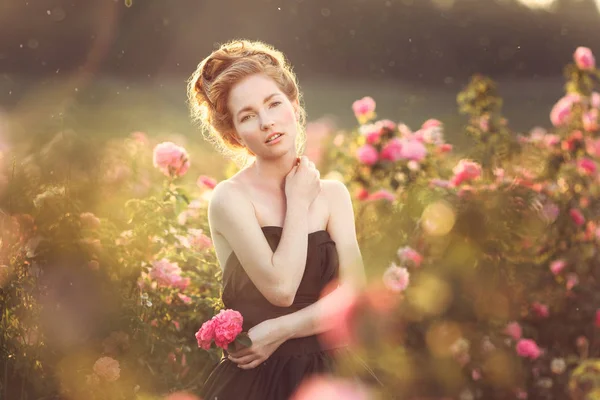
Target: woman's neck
pixel 273 172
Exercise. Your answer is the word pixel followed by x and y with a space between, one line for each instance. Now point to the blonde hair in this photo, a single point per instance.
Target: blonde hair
pixel 209 86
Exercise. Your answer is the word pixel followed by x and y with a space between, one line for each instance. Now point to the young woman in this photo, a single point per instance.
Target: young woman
pixel 281 234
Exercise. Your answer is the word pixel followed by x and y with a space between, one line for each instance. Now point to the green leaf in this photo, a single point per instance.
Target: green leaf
pixel 244 340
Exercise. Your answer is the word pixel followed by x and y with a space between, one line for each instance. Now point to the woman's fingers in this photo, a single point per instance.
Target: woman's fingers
pixel 251 365
pixel 244 359
pixel 241 353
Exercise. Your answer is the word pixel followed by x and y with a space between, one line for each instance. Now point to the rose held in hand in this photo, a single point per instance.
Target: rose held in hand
pixel 224 329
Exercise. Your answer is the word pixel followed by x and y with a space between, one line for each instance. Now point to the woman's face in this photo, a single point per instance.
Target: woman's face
pixel 260 111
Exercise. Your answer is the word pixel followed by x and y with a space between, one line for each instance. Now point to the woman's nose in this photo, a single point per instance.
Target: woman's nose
pixel 266 123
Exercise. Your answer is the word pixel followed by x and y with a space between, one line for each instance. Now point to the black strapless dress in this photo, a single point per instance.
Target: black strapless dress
pixel 280 375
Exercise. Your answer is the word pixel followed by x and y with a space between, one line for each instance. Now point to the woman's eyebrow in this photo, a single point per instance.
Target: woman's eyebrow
pixel 248 108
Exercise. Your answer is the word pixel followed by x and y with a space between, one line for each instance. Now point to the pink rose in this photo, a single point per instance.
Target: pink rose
pixel 168 274
pixel 528 348
pixel 206 334
pixel 362 194
pixel 484 123
pixel 327 388
pixel 170 159
pixel 107 368
pixel 440 183
pixel 381 195
pixel 572 281
pixel 595 99
pixel 386 124
pixel 371 132
pixel 367 154
pixel 587 166
pixel 593 147
pixel 513 330
pixel 590 120
pixel 584 58
pixel 412 150
pixel 206 181
pixel 409 255
pixel 185 299
pixel 577 216
pixel 560 113
pixel 431 123
pixel 392 150
pixel 444 148
pixel 557 266
pixel 541 310
pixel 464 171
pixel 199 240
pixel 364 109
pixel 396 278
pixel 228 324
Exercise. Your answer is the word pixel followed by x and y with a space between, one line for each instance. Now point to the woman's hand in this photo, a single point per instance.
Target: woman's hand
pixel 266 338
pixel 302 183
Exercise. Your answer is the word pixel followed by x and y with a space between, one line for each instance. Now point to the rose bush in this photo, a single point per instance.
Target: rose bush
pixel 483 265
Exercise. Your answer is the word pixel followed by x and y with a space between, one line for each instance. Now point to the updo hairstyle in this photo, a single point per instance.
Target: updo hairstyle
pixel 209 86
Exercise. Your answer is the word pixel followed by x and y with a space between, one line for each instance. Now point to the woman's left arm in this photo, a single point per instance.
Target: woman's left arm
pixel 312 320
pixel 341 227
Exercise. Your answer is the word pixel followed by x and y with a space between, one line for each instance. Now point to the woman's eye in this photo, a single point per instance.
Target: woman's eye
pixel 245 118
pixel 275 103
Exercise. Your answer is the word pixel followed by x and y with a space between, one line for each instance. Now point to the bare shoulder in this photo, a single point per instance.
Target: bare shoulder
pixel 228 197
pixel 335 191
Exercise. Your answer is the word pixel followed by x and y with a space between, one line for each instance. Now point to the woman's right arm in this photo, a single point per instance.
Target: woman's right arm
pixel 277 275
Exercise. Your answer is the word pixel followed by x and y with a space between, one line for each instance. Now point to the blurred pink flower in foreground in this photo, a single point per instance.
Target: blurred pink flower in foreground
pixel 326 388
pixel 316 133
pixel 584 58
pixel 182 396
pixel 170 159
pixel 107 368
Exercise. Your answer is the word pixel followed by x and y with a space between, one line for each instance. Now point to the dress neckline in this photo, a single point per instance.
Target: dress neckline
pixel 280 228
pixel 311 236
